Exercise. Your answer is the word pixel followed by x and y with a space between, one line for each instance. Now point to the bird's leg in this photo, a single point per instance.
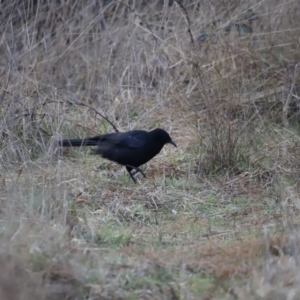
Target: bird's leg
pixel 137 170
pixel 132 177
pixel 129 169
pixel 133 173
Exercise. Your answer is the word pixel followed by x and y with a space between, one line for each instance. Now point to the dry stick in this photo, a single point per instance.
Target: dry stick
pixel 149 28
pixel 79 36
pixel 134 11
pixel 86 105
pixel 187 19
pixel 31 114
pixel 268 254
pixel 11 59
pixel 288 100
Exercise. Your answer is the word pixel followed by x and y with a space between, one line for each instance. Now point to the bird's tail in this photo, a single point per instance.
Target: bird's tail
pixel 78 142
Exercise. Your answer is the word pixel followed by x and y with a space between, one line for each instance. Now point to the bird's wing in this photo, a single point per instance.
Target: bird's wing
pixel 130 139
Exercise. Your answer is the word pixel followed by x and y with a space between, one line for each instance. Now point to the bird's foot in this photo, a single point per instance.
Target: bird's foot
pixel 137 170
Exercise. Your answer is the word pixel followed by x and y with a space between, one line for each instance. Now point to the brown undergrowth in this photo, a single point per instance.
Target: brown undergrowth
pixel 217 217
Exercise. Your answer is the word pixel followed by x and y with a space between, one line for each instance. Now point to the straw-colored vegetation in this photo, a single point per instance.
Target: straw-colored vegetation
pixel 217 217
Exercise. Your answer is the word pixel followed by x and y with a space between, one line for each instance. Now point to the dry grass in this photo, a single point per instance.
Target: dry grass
pixel 216 218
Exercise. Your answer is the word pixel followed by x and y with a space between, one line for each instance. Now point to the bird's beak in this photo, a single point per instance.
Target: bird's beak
pixel 173 143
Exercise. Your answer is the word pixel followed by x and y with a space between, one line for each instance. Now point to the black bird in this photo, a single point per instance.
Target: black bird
pixel 130 149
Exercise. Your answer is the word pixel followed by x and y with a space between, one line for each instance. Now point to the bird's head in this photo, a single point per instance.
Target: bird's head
pixel 163 136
